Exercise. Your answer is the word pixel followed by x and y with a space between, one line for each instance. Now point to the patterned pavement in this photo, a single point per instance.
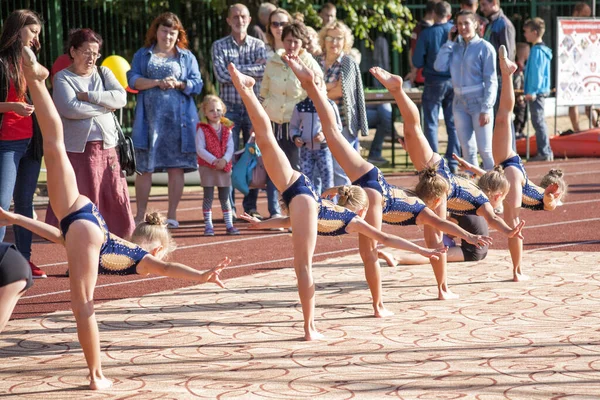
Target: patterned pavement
pixel 535 339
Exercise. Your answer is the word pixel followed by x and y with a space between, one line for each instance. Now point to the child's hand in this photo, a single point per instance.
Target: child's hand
pixel 213 275
pixel 298 142
pixel 530 97
pixel 220 164
pixel 254 222
pixel 320 138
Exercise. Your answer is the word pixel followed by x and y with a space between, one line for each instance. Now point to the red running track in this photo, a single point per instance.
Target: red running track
pixel 573 227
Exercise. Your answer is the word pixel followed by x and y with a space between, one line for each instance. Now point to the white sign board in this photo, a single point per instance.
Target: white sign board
pixel 578 61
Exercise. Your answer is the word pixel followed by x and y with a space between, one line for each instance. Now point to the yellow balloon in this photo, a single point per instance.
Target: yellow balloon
pixel 119 66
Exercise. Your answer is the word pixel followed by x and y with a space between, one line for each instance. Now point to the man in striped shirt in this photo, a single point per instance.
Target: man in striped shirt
pixel 250 57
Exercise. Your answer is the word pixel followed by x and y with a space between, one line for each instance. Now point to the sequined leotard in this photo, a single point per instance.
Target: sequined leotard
pixel 465 197
pixel 533 195
pixel 398 208
pixel 117 256
pixel 332 220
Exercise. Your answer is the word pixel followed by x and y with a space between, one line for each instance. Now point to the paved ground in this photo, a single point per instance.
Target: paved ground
pixel 537 339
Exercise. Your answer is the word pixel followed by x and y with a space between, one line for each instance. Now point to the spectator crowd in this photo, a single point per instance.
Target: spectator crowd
pixel 454 58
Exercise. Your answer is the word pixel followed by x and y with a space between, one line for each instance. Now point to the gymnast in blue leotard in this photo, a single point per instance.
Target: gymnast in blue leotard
pixel 86 238
pixel 400 208
pixel 508 181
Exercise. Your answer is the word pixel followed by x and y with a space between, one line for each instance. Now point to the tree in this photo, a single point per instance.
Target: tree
pixel 366 18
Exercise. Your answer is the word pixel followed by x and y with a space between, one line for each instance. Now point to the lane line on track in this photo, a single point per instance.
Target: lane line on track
pixel 192 246
pixel 327 253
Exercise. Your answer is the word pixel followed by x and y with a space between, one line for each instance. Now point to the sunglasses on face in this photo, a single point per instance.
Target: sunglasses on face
pixel 276 24
pixel 334 38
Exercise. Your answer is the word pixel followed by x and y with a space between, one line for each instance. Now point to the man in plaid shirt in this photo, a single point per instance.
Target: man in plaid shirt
pixel 250 57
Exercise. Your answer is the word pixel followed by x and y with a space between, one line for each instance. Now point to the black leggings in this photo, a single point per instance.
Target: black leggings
pixel 13 266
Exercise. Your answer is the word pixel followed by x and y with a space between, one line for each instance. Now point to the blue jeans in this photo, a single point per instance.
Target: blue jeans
pixel 19 173
pixel 339 176
pixel 318 166
pixel 536 107
pixel 241 123
pixel 467 109
pixel 379 117
pixel 436 95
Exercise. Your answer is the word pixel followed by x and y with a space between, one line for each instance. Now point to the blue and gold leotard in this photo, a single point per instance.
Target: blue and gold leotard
pixel 117 256
pixel 302 185
pixel 465 197
pixel 333 219
pixel 398 208
pixel 533 195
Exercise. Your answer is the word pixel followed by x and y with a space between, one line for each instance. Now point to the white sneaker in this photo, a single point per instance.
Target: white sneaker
pixel 172 224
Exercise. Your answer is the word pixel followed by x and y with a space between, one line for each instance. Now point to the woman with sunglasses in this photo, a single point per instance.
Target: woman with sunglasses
pixel 278 19
pixel 344 86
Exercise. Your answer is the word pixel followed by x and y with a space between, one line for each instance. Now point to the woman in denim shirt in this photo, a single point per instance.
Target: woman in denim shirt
pixel 167 77
pixel 472 64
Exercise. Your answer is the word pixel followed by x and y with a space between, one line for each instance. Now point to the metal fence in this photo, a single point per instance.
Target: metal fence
pixel 123 24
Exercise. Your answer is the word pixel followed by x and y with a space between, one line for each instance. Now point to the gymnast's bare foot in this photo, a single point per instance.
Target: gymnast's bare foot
pixel 239 80
pixel 519 276
pixel 32 70
pixel 304 74
pixel 100 382
pixel 381 311
pixel 389 258
pixel 445 294
pixel 311 333
pixel 507 67
pixel 391 82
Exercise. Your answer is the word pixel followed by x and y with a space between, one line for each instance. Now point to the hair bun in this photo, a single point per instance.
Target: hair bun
pixel 556 172
pixel 499 168
pixel 429 172
pixel 154 218
pixel 343 194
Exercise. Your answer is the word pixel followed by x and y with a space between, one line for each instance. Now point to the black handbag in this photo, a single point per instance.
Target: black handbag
pixel 125 149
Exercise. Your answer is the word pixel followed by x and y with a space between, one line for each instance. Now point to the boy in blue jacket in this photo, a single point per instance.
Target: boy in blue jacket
pixel 537 85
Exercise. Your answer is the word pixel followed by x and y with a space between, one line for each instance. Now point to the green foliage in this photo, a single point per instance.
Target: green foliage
pixel 366 18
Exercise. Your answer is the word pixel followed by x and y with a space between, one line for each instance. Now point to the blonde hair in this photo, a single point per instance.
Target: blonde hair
pixel 348 38
pixel 209 98
pixel 431 185
pixel 152 230
pixel 494 181
pixel 354 198
pixel 555 175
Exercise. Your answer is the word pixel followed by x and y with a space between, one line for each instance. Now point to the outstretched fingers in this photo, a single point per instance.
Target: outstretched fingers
pixel 516 232
pixel 435 254
pixel 254 222
pixel 213 275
